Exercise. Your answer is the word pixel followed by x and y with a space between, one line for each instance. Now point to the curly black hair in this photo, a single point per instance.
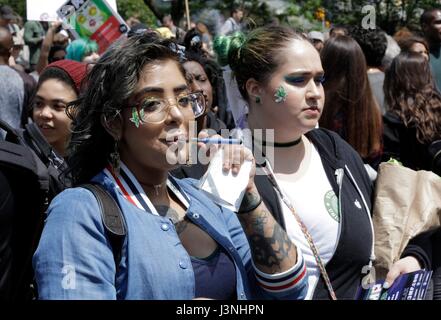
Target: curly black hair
pixel 211 68
pixel 193 40
pixel 373 42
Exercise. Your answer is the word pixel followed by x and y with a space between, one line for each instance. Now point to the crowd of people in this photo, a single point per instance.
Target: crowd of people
pixel 337 105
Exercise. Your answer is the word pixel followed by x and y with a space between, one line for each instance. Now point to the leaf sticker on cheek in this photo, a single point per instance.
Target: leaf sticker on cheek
pixel 280 95
pixel 135 117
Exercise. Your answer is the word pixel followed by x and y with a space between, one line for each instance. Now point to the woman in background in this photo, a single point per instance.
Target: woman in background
pixel 415 44
pixel 58 85
pixel 83 51
pixel 413 118
pixel 350 107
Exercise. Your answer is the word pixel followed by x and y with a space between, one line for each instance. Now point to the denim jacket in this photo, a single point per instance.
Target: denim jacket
pixel 74 259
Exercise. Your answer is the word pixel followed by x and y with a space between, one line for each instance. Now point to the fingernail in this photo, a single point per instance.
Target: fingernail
pixel 386 285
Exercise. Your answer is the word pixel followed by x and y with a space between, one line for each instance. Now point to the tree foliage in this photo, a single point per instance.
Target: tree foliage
pixel 257 12
pixel 19 6
pixel 137 9
pixel 126 8
pixel 390 14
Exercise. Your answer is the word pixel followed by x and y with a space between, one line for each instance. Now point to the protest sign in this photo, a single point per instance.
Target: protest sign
pixel 44 10
pixel 94 20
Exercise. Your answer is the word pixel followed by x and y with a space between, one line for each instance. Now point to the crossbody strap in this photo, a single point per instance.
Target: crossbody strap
pixel 305 232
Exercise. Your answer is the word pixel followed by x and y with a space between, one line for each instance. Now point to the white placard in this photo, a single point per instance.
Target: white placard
pixel 46 10
pixel 223 188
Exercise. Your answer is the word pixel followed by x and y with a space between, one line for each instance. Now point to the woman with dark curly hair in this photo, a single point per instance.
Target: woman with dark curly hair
pixel 204 75
pixel 130 129
pixel 350 107
pixel 413 118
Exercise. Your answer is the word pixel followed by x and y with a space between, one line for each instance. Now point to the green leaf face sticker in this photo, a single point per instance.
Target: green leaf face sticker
pixel 280 95
pixel 135 117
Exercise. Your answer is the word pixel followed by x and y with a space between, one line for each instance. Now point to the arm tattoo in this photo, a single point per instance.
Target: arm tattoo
pixel 271 249
pixel 173 215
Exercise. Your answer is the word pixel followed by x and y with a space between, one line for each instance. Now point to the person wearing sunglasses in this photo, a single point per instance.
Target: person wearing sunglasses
pixel 130 128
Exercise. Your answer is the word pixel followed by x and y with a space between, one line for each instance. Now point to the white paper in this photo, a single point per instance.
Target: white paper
pixel 223 188
pixel 46 10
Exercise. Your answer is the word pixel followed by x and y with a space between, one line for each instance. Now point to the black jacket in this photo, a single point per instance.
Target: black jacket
pixel 7 204
pixel 355 236
pixel 400 143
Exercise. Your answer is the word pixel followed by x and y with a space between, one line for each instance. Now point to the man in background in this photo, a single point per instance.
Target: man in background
pixel 6 16
pixel 15 87
pixel 431 25
pixel 33 36
pixel 233 22
pixel 177 32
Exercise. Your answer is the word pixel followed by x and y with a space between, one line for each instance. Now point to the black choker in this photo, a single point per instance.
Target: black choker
pixel 285 144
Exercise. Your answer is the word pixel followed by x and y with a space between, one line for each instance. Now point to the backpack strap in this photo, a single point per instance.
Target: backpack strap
pixel 112 219
pixel 12 135
pixel 40 144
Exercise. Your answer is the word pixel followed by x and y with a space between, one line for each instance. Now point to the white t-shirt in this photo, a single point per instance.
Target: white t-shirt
pixel 316 204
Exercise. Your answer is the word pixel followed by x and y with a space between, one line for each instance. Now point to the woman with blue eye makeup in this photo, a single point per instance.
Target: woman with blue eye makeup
pixel 313 182
pixel 131 128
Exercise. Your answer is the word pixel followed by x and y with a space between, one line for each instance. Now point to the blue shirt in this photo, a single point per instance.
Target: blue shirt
pixel 74 259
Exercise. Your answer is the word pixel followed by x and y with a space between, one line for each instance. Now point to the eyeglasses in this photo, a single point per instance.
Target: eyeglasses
pixel 154 110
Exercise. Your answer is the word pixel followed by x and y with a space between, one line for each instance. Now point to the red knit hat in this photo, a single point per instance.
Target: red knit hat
pixel 77 71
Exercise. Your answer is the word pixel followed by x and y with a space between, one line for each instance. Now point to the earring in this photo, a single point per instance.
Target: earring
pixel 258 101
pixel 280 95
pixel 115 159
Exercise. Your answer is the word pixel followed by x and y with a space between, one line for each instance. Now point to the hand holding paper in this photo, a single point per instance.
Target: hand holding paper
pixel 230 174
pixel 229 182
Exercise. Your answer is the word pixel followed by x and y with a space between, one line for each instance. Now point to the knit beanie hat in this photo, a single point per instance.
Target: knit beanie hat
pixel 77 71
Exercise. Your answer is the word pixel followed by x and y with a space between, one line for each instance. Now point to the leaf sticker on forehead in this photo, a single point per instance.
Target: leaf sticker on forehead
pixel 280 95
pixel 136 116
